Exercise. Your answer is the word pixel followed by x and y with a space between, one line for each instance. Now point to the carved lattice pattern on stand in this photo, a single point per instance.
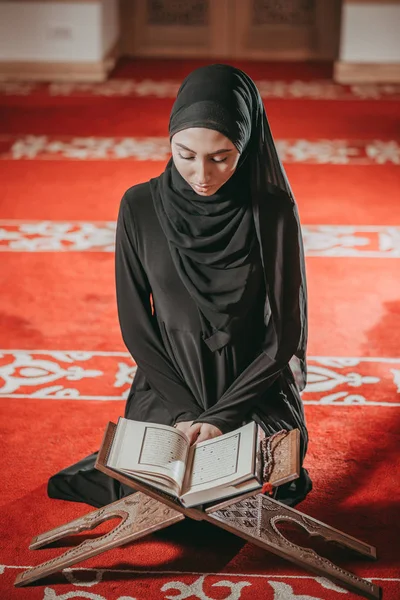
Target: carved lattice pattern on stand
pixel 256 518
pixel 140 515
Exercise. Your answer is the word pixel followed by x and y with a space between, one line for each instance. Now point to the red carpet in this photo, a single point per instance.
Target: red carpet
pixel 64 370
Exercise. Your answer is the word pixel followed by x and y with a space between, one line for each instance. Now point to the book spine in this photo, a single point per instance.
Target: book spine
pixel 114 451
pixel 108 445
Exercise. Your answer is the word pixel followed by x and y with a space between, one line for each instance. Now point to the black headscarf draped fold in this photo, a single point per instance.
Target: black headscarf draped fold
pixel 213 239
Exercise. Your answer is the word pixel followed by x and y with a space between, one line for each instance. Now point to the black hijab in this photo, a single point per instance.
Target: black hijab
pixel 213 239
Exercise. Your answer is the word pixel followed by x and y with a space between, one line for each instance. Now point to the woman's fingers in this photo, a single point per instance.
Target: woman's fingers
pixel 193 432
pixel 199 432
pixel 184 426
pixel 208 432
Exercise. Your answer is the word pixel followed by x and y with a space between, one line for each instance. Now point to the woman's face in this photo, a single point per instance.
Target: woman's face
pixel 205 158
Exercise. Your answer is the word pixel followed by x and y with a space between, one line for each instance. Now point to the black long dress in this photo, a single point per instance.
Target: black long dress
pixel 178 377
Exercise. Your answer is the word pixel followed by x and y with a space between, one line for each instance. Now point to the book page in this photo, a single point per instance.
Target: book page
pixel 219 493
pixel 224 460
pixel 149 448
pixel 162 448
pixel 209 461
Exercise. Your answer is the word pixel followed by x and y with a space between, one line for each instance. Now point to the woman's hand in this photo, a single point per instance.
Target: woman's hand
pixel 199 432
pixel 184 426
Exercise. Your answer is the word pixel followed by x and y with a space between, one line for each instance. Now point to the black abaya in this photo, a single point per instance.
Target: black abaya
pixel 178 377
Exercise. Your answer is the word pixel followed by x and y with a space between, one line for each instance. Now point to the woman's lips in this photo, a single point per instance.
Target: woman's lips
pixel 201 188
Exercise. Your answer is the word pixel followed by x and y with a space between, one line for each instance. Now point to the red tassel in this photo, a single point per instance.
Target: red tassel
pixel 267 488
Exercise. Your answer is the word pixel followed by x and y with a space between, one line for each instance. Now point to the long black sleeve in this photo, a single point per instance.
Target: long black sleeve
pixel 139 326
pixel 241 397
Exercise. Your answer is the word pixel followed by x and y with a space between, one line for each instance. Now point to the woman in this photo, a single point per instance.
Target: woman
pixel 210 282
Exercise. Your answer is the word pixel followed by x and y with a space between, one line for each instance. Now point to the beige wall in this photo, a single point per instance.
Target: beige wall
pixel 369 42
pixel 57 31
pixel 370 32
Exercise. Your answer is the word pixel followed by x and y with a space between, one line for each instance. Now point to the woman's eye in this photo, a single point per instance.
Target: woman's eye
pixel 215 160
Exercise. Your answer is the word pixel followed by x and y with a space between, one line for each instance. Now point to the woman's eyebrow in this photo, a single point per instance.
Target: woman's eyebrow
pixel 211 153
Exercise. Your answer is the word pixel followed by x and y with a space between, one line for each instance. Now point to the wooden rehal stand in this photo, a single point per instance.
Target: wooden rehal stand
pixel 252 516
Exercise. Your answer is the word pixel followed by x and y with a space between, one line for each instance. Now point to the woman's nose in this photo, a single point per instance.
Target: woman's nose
pixel 202 175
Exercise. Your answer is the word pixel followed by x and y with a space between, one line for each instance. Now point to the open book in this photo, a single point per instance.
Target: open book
pixel 161 456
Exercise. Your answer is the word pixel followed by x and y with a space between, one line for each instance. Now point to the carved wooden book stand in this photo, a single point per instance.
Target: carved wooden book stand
pixel 252 516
